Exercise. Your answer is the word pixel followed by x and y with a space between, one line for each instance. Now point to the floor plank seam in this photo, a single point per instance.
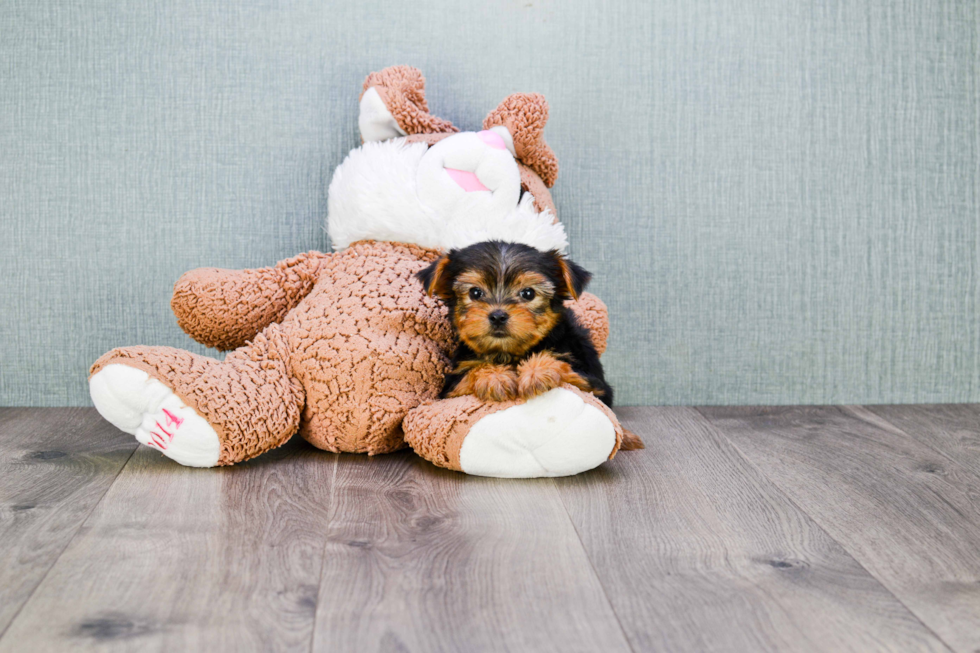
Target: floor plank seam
pixel 605 591
pixel 820 525
pixel 68 544
pixel 323 552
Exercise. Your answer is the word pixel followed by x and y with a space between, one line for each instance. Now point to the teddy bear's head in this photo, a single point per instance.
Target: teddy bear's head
pixel 417 179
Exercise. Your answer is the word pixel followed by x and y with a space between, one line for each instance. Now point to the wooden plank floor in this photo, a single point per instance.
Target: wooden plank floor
pixel 737 529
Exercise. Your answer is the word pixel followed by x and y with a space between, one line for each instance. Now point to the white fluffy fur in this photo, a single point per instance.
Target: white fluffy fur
pixel 374 196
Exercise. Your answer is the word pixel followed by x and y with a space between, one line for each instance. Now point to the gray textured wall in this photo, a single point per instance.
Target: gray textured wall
pixel 779 199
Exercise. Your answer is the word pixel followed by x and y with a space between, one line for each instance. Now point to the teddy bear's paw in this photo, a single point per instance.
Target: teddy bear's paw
pixel 554 434
pixel 134 402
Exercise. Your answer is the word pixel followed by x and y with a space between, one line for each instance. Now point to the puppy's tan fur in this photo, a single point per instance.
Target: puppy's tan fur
pixel 487 381
pixel 544 371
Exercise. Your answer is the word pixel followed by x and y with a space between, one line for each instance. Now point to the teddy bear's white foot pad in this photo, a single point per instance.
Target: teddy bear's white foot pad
pixel 134 402
pixel 555 434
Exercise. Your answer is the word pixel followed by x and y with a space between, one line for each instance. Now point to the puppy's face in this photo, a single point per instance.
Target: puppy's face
pixel 504 298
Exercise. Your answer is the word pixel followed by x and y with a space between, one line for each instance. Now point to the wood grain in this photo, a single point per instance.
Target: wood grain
pixel 698 552
pixel 182 559
pixel 907 513
pixel 55 466
pixel 951 429
pixel 809 529
pixel 423 559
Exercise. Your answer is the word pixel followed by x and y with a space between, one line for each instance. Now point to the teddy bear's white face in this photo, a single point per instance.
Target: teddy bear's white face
pixel 464 189
pixel 469 173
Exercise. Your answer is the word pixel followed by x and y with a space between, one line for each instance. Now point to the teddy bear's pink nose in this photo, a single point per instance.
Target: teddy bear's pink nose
pixel 492 139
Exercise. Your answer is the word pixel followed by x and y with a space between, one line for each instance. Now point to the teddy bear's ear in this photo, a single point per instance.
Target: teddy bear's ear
pixel 436 279
pixel 531 183
pixel 525 115
pixel 393 104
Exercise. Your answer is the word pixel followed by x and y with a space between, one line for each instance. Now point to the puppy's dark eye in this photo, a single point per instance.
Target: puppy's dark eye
pixel 527 294
pixel 475 293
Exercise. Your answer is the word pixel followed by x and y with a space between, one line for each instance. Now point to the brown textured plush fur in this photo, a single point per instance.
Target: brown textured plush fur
pixel 357 347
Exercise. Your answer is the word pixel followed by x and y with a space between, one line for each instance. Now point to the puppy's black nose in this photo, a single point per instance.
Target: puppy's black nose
pixel 498 317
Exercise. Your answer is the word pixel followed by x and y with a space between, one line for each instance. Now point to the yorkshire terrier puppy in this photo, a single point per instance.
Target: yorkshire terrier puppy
pixel 517 338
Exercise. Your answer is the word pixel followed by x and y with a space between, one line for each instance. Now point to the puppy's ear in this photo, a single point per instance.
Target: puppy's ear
pixel 436 280
pixel 573 276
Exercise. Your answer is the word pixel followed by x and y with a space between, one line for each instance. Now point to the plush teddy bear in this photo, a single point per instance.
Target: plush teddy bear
pixel 346 347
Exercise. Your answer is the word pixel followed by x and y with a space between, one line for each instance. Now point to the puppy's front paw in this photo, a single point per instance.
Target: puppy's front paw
pixel 488 382
pixel 495 383
pixel 540 373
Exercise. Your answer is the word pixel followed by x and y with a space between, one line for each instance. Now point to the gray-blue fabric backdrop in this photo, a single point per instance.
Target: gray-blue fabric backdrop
pixel 779 199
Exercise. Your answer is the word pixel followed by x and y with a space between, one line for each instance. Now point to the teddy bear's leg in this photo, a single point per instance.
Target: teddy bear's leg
pixel 199 411
pixel 562 432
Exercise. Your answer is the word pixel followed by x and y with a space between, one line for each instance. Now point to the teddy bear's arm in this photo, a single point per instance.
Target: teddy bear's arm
pixel 226 308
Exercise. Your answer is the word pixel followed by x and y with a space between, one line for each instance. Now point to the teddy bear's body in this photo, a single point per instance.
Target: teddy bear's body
pixel 359 346
pixel 343 346
pixel 368 346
